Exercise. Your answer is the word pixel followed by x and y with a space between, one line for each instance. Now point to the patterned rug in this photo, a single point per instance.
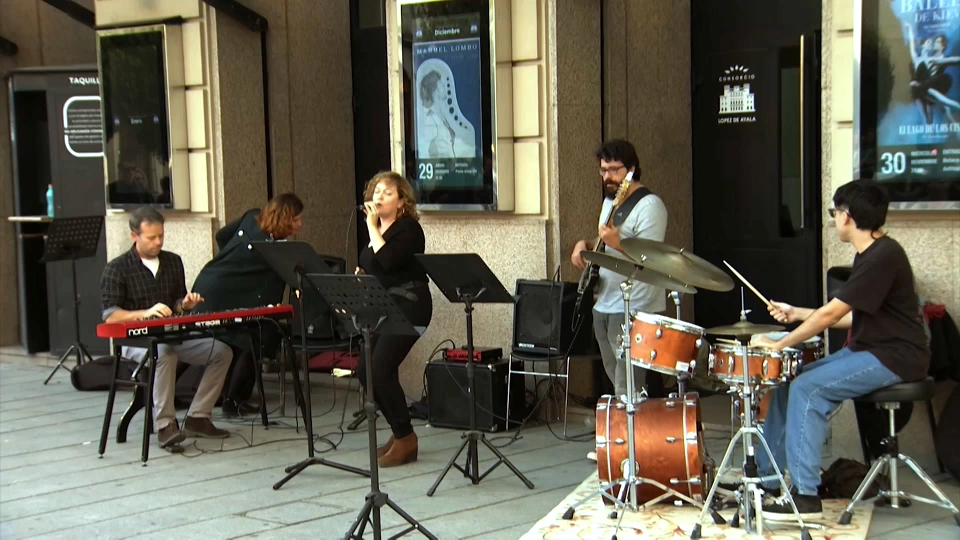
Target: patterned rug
pixel 667 521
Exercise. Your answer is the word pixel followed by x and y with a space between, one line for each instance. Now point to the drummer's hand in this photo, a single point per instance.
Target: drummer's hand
pixel 610 236
pixel 784 313
pixel 575 257
pixel 765 342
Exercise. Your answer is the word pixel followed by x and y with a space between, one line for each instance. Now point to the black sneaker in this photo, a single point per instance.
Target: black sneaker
pixel 234 409
pixel 773 492
pixel 808 506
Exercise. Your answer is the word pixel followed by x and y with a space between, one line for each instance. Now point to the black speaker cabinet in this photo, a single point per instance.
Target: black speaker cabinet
pixel 449 406
pixel 543 317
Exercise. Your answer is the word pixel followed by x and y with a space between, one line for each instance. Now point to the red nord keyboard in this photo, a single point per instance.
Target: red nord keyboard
pixel 188 323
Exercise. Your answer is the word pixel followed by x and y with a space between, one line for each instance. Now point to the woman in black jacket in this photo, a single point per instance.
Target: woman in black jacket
pixel 395 238
pixel 239 278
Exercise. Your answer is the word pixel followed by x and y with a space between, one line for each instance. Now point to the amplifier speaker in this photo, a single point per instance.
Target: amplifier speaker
pixel 543 317
pixel 449 405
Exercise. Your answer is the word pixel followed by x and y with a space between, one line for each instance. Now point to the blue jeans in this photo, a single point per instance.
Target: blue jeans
pixel 796 423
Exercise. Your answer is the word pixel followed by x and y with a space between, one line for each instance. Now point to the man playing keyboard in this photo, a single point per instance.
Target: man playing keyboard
pixel 147 282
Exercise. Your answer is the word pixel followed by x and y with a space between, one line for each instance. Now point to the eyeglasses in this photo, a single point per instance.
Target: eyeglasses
pixel 611 170
pixel 834 211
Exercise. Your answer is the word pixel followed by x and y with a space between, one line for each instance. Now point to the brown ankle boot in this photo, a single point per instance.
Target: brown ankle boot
pixel 403 450
pixel 382 450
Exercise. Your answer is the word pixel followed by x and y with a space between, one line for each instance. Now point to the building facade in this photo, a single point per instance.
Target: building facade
pixel 559 95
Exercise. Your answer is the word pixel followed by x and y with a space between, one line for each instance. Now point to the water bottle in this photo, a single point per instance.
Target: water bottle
pixel 50 200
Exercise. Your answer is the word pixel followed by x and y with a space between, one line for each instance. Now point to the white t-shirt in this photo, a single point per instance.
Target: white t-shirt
pixel 152 264
pixel 648 219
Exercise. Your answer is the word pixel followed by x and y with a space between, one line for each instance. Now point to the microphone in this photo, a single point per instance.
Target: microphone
pixel 359 207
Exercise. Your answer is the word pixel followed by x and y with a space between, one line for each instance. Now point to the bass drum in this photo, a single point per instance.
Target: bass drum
pixel 669 446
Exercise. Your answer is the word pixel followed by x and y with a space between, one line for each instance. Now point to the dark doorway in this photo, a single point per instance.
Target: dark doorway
pixel 756 151
pixel 371 97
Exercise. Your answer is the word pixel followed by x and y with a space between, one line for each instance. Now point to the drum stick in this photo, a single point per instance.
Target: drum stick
pixel 749 286
pixel 730 341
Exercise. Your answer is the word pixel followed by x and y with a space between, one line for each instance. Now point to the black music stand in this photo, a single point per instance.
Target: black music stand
pixel 363 302
pixel 465 279
pixel 292 261
pixel 69 239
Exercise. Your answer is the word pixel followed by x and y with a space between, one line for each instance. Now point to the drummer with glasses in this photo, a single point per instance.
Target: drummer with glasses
pixel 888 345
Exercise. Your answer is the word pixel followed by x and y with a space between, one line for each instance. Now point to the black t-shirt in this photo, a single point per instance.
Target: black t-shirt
pixel 887 319
pixel 395 264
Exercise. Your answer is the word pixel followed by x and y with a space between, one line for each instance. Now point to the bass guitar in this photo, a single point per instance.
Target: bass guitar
pixel 591 272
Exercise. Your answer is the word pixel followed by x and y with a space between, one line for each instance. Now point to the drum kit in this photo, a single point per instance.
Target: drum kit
pixel 652 450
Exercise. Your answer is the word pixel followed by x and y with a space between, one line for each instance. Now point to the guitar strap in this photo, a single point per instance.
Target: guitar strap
pixel 622 211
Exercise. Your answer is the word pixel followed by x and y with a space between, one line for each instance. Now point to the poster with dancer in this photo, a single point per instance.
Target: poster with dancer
pixel 446 87
pixel 917 90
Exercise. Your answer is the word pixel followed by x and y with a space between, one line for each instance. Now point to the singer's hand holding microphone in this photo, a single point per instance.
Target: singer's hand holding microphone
pixel 370 209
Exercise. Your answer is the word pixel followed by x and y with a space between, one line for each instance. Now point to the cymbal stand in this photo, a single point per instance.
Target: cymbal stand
pixel 683 376
pixel 628 484
pixel 752 494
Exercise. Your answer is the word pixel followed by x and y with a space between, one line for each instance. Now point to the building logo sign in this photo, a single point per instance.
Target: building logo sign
pixel 738 102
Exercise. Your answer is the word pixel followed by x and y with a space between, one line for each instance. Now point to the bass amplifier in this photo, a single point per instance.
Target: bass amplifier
pixel 449 403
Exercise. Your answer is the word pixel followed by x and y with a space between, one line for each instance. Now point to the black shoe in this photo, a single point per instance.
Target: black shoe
pixel 773 492
pixel 233 409
pixel 808 506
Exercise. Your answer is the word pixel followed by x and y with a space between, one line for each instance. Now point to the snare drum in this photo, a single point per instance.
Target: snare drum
pixel 767 365
pixel 809 351
pixel 663 344
pixel 669 446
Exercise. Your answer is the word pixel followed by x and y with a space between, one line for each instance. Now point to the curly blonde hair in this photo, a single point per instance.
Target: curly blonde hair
pixel 404 191
pixel 276 218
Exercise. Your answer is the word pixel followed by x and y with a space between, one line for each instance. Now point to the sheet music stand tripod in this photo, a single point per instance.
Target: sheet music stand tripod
pixel 362 301
pixel 465 279
pixel 69 239
pixel 292 261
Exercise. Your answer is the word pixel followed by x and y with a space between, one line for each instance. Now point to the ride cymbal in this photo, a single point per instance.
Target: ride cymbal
pixel 744 329
pixel 630 269
pixel 677 264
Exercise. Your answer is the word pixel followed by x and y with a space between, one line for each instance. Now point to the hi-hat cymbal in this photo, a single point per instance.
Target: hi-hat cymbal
pixel 678 264
pixel 630 269
pixel 744 329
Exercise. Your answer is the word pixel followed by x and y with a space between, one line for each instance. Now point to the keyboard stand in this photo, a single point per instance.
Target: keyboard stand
pixel 143 390
pixel 142 395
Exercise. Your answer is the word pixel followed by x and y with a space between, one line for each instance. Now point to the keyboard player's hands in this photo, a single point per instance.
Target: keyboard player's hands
pixel 158 310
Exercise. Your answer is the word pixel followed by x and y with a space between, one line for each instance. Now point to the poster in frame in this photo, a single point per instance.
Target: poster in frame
pixel 144 117
pixel 906 119
pixel 446 55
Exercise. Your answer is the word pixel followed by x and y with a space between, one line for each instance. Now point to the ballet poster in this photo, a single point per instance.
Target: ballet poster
pixel 447 104
pixel 918 90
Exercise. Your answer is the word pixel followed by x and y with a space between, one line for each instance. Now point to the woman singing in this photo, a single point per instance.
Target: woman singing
pixel 238 278
pixel 395 237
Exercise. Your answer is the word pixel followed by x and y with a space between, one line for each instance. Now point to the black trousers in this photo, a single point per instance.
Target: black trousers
pixel 389 351
pixel 241 377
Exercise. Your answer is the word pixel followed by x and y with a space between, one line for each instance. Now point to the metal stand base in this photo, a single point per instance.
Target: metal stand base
pixel 893 496
pixel 370 515
pixel 750 493
pixel 76 348
pixel 471 467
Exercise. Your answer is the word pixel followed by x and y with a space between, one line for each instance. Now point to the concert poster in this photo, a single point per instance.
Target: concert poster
pixel 915 50
pixel 447 99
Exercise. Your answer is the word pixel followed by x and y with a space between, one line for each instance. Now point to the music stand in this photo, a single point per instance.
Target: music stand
pixel 363 302
pixel 69 239
pixel 465 279
pixel 291 261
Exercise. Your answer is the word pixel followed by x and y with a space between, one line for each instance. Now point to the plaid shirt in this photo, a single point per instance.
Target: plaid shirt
pixel 129 285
